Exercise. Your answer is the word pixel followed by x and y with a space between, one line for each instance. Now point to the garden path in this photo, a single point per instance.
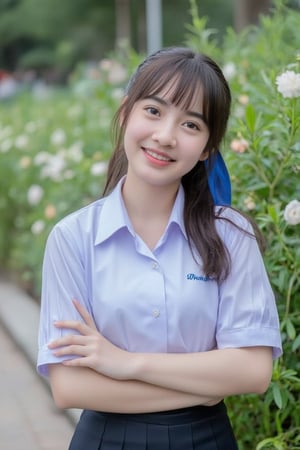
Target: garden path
pixel 29 419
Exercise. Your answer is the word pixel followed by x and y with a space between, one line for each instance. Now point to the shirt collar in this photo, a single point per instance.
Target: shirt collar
pixel 114 217
pixel 177 212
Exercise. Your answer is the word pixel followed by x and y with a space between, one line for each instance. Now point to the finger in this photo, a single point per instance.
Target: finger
pixel 81 327
pixel 84 314
pixel 77 350
pixel 70 339
pixel 76 362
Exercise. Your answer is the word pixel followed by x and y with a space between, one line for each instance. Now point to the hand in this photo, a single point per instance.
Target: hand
pixel 91 348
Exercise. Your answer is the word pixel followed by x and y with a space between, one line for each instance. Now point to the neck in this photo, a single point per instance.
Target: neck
pixel 146 201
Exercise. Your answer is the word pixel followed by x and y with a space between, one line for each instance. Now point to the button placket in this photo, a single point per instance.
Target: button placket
pixel 156 311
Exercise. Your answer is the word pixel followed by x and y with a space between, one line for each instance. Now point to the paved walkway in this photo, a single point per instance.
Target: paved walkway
pixel 29 419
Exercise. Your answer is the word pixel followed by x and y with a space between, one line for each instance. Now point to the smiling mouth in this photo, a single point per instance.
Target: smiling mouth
pixel 158 156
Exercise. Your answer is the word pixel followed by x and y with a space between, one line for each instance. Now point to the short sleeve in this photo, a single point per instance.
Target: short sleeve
pixel 62 281
pixel 247 309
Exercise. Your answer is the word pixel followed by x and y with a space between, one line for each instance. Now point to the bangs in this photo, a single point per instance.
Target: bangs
pixel 189 81
pixel 181 84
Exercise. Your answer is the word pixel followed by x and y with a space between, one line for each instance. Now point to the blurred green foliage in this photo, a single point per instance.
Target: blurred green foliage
pixel 54 146
pixel 263 155
pixel 54 34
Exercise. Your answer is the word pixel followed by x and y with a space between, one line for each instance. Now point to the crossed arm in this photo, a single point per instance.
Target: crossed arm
pixel 107 378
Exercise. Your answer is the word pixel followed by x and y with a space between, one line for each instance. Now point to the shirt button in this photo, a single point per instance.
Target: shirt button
pixel 154 265
pixel 156 313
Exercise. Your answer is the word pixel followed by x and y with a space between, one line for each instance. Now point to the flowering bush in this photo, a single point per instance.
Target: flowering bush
pixel 262 150
pixel 53 155
pixel 54 152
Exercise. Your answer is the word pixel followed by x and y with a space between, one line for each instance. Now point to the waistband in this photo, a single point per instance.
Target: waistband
pixel 173 417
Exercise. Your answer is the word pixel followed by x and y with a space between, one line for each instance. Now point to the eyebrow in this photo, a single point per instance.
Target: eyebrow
pixel 166 103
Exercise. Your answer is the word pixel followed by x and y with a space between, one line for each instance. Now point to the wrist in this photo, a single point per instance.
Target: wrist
pixel 136 364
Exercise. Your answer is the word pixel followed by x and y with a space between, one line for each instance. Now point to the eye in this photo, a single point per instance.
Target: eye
pixel 152 110
pixel 192 125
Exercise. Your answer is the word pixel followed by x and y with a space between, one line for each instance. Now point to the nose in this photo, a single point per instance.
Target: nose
pixel 164 135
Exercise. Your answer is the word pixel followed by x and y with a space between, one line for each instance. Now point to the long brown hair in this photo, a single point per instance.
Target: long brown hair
pixel 186 70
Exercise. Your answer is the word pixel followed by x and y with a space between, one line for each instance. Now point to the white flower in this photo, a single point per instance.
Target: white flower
pixel 99 168
pixel 21 141
pixel 229 70
pixel 292 213
pixel 58 137
pixel 5 132
pixel 35 194
pixel 249 203
pixel 75 152
pixel 288 84
pixel 54 167
pixel 6 145
pixel 41 158
pixel 37 227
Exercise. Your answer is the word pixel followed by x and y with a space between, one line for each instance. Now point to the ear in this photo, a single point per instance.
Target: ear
pixel 204 155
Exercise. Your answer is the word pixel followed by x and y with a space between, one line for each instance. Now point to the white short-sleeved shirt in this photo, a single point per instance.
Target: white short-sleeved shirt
pixel 153 301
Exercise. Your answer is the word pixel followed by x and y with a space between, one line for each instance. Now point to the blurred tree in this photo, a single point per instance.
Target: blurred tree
pixel 247 12
pixel 39 35
pixel 57 33
pixel 138 21
pixel 123 25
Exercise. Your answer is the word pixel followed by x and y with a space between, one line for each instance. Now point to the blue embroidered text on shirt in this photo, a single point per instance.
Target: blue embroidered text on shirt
pixel 192 276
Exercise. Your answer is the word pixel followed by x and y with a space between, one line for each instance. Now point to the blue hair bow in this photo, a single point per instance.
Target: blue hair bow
pixel 219 180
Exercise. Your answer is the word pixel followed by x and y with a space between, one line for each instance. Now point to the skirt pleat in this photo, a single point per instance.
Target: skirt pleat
pixel 181 437
pixel 89 432
pixel 157 437
pixel 196 428
pixel 135 436
pixel 113 436
pixel 223 434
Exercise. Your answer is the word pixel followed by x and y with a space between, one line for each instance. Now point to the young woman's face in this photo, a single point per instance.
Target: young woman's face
pixel 162 141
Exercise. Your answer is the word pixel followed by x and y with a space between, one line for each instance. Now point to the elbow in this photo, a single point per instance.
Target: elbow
pixel 261 384
pixel 256 367
pixel 262 373
pixel 61 386
pixel 60 395
pixel 60 398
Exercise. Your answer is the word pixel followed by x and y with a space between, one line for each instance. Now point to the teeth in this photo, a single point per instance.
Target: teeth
pixel 156 156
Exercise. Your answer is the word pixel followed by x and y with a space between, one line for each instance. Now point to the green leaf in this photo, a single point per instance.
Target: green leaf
pixel 273 213
pixel 296 343
pixel 277 395
pixel 271 443
pixel 250 118
pixel 290 329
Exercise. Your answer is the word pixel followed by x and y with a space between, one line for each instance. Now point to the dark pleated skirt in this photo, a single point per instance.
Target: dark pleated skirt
pixel 195 428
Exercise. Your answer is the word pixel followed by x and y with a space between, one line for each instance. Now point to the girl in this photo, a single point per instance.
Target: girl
pixel 155 301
